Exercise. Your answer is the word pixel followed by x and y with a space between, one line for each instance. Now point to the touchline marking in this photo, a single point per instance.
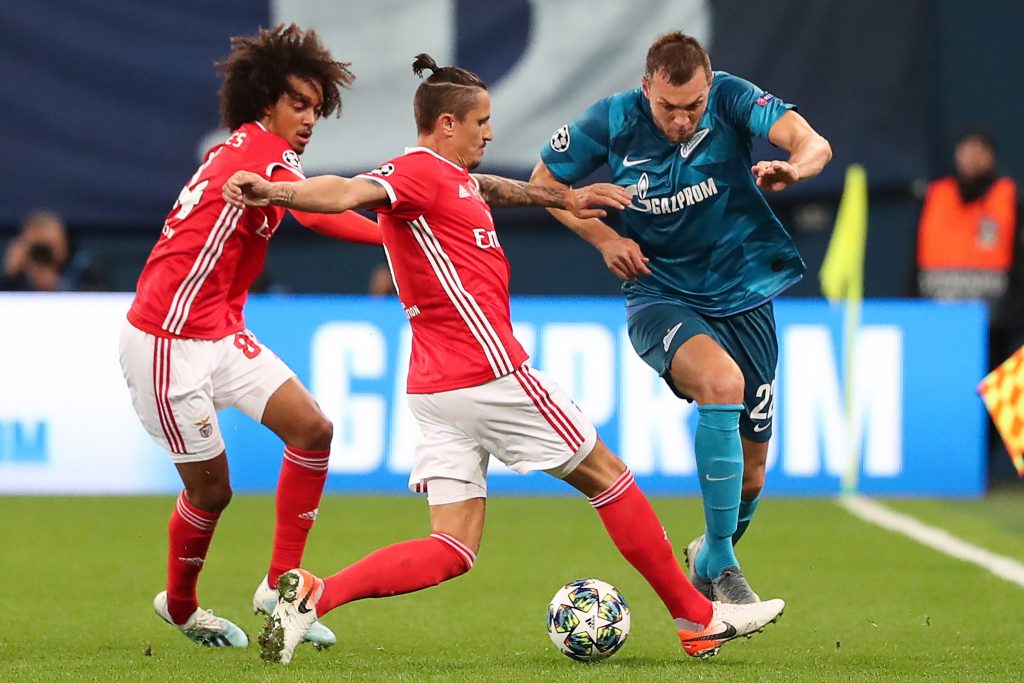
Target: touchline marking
pixel 938 539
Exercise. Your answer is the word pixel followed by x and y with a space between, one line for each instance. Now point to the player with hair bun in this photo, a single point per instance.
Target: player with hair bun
pixel 470 388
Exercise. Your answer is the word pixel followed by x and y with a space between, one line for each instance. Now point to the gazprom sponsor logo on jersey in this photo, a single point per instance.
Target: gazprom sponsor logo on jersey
pixel 688 196
pixel 24 442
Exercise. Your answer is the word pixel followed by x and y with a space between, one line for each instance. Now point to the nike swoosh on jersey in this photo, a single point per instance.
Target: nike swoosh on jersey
pixel 761 428
pixel 636 162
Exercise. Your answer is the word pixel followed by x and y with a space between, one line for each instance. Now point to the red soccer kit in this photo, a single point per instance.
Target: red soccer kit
pixel 198 275
pixel 452 275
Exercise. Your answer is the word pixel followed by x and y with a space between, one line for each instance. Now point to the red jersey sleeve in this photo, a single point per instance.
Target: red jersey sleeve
pixel 411 184
pixel 347 226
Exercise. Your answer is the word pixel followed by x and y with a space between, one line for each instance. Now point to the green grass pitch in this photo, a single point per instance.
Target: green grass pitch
pixel 863 604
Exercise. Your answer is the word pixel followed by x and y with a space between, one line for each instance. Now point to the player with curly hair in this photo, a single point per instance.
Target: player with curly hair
pixel 185 350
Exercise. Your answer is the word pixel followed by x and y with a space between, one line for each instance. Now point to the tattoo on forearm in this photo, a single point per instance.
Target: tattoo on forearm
pixel 285 196
pixel 501 192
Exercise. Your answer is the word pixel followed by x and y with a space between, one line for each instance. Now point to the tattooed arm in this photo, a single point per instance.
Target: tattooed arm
pixel 584 202
pixel 322 194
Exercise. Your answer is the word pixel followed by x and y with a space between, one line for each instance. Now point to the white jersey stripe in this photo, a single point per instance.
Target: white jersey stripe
pixel 185 283
pixel 474 307
pixel 459 306
pixel 211 264
pixel 204 265
pixel 497 348
pixel 484 333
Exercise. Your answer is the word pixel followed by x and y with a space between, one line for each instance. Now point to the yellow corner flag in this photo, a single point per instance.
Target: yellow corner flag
pixel 842 273
pixel 842 280
pixel 1003 393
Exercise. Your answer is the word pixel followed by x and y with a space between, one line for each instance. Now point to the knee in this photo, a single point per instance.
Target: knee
pixel 210 498
pixel 721 388
pixel 316 435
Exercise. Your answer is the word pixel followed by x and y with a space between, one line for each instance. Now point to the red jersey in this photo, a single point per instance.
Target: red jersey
pixel 451 273
pixel 198 275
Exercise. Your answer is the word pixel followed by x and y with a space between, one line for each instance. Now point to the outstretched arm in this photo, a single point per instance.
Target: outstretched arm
pixel 584 202
pixel 621 254
pixel 808 154
pixel 322 194
pixel 348 226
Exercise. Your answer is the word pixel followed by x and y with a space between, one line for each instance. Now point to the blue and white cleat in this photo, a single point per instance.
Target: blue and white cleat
pixel 265 600
pixel 203 628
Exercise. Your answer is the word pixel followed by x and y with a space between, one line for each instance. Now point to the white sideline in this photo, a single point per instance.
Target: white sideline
pixel 939 539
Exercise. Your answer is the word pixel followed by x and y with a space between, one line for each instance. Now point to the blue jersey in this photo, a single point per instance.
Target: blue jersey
pixel 697 214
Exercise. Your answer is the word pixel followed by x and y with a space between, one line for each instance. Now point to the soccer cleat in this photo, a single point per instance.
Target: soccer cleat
pixel 699 582
pixel 729 622
pixel 265 600
pixel 294 615
pixel 731 587
pixel 203 628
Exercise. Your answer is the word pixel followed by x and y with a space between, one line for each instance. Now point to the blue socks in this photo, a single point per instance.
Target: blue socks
pixel 719 455
pixel 747 508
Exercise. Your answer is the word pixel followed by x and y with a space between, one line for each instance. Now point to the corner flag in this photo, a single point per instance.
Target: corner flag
pixel 842 273
pixel 1003 393
pixel 842 280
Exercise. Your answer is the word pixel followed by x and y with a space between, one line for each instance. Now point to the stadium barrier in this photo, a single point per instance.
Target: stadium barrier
pixel 67 425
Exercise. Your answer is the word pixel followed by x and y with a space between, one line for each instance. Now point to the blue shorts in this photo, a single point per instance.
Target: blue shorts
pixel 657 328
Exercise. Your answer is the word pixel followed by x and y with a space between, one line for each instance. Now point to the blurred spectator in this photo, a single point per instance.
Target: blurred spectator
pixel 968 239
pixel 381 282
pixel 40 259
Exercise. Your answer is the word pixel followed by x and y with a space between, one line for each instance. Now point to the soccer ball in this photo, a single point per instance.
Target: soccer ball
pixel 588 620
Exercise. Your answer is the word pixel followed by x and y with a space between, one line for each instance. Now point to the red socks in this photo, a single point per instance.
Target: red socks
pixel 190 530
pixel 400 568
pixel 639 536
pixel 299 489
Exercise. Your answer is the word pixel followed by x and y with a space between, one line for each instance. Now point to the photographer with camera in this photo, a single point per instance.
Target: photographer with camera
pixel 39 259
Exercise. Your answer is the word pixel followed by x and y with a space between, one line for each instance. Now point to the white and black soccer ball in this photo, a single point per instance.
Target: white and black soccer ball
pixel 560 140
pixel 588 620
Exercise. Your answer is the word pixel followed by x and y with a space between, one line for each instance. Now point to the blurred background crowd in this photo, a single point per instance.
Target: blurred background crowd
pixel 117 101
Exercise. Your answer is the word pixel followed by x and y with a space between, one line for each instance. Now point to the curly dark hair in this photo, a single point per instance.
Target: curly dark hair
pixel 257 70
pixel 448 89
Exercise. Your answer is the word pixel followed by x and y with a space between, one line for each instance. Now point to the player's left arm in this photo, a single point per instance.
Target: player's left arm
pixel 808 151
pixel 322 194
pixel 347 227
pixel 582 202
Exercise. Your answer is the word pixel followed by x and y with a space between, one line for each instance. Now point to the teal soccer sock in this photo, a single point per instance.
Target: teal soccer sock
pixel 747 508
pixel 719 455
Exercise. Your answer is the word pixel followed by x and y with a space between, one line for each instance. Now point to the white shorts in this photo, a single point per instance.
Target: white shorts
pixel 524 419
pixel 178 385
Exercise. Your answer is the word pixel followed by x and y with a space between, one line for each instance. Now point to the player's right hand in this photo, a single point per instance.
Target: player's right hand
pixel 245 188
pixel 587 202
pixel 624 258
